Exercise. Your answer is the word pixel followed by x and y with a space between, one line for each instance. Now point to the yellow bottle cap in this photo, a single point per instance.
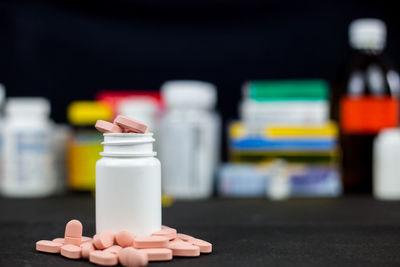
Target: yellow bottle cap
pixel 88 112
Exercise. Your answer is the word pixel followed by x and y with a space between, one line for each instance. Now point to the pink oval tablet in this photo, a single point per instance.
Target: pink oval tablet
pixel 104 239
pixel 59 240
pixel 130 124
pixel 107 127
pixel 170 233
pixel 124 238
pixel 132 257
pixel 48 246
pixel 184 249
pixel 205 247
pixel 77 241
pixel 113 249
pixel 73 229
pixel 87 248
pixel 71 251
pixel 103 258
pixel 86 239
pixel 151 242
pixel 158 254
pixel 185 237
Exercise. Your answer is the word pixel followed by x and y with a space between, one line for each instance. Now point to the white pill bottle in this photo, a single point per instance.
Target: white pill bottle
pixel 128 185
pixel 28 156
pixel 189 139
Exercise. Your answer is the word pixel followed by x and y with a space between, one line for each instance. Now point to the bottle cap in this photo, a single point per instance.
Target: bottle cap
pixel 27 106
pixel 368 34
pixel 187 93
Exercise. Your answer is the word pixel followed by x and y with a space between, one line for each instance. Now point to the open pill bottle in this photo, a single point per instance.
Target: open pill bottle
pixel 128 185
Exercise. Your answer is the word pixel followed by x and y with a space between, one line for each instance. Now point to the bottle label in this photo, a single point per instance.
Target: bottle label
pixel 368 115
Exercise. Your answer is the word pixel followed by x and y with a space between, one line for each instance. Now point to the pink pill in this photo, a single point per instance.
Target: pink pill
pixel 48 246
pixel 185 237
pixel 59 240
pixel 184 249
pixel 132 257
pixel 205 247
pixel 130 124
pixel 86 239
pixel 73 229
pixel 71 251
pixel 76 241
pixel 115 249
pixel 158 254
pixel 103 258
pixel 170 233
pixel 124 238
pixel 87 248
pixel 104 239
pixel 151 242
pixel 107 127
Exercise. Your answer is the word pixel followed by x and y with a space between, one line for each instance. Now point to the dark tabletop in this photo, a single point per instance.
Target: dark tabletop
pixel 357 231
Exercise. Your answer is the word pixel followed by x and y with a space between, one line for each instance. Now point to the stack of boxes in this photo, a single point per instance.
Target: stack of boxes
pixel 284 144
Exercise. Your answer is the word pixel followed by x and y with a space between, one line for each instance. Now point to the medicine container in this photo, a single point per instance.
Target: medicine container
pixel 28 155
pixel 189 139
pixel 128 185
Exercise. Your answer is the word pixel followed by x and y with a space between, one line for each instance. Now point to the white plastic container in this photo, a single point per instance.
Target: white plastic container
pixel 128 185
pixel 28 156
pixel 386 169
pixel 189 139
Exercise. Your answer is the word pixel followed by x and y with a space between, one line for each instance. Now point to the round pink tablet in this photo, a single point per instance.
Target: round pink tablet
pixel 107 127
pixel 48 246
pixel 158 254
pixel 184 249
pixel 73 229
pixel 87 248
pixel 124 238
pixel 151 242
pixel 115 249
pixel 59 240
pixel 103 258
pixel 205 247
pixel 130 124
pixel 168 232
pixel 104 239
pixel 185 237
pixel 71 251
pixel 132 257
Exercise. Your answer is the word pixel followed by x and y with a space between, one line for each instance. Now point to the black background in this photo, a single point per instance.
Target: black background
pixel 68 50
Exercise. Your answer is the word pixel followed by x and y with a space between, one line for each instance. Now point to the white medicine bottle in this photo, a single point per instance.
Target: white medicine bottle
pixel 189 139
pixel 28 162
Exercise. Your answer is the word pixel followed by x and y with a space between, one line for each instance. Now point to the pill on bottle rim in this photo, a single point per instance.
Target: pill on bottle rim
pixel 185 237
pixel 170 233
pixel 59 240
pixel 107 127
pixel 115 249
pixel 104 239
pixel 158 254
pixel 71 251
pixel 48 246
pixel 103 258
pixel 77 241
pixel 130 124
pixel 87 248
pixel 73 229
pixel 132 257
pixel 151 242
pixel 205 247
pixel 124 238
pixel 184 249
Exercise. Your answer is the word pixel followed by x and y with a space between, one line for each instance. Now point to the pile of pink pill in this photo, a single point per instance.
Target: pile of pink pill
pixel 109 249
pixel 121 124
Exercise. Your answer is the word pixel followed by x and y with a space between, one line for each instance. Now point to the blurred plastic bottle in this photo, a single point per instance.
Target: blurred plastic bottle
pixel 368 102
pixel 2 97
pixel 386 183
pixel 29 169
pixel 189 139
pixel 84 147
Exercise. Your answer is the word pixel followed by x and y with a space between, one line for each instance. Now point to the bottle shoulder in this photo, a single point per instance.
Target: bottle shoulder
pixel 128 161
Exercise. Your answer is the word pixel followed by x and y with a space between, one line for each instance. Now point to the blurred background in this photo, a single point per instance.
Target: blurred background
pixel 285 99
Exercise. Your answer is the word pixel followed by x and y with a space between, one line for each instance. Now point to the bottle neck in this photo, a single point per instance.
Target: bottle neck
pixel 128 145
